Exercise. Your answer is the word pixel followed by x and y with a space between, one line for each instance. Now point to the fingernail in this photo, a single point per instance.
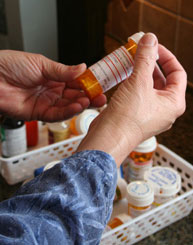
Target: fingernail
pixel 149 40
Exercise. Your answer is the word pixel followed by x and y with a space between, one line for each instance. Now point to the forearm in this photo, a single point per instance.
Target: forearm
pixel 115 137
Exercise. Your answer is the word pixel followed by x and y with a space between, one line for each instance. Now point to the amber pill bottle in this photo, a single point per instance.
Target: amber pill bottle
pixel 111 70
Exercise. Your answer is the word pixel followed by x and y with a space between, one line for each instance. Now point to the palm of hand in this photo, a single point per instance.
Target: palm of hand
pixel 34 87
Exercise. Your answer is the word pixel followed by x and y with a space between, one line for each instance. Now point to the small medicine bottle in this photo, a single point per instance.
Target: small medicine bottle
pixel 166 183
pixel 32 133
pixel 80 124
pixel 117 221
pixel 121 189
pixel 140 197
pixel 13 137
pixel 111 70
pixel 58 131
pixel 140 159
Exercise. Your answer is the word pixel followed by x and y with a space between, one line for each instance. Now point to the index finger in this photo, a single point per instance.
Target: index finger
pixel 176 78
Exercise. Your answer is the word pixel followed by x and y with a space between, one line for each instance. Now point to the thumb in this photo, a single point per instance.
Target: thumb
pixel 145 58
pixel 59 72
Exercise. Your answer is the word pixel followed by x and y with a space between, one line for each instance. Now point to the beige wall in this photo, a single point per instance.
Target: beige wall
pixel 170 20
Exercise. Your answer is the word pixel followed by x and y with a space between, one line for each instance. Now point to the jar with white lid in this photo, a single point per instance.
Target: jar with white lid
pixel 166 183
pixel 140 197
pixel 121 189
pixel 58 131
pixel 80 124
pixel 140 159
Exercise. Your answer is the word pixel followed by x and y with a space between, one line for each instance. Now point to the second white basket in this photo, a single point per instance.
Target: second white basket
pixel 159 217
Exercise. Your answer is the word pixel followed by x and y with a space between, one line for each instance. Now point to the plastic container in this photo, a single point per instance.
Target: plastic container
pixel 117 221
pixel 80 124
pixel 141 159
pixel 121 190
pixel 160 217
pixel 21 167
pixel 13 137
pixel 18 168
pixel 166 183
pixel 32 133
pixel 58 131
pixel 111 70
pixel 140 197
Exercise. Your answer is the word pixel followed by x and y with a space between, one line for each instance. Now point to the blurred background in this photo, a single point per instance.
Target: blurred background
pixel 78 31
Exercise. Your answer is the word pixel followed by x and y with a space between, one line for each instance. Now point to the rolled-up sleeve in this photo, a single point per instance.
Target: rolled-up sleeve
pixel 70 203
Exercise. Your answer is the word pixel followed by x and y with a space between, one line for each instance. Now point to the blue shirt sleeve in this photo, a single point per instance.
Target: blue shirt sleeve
pixel 70 203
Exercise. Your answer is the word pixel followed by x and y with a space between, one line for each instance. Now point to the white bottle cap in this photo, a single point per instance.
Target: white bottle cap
pixel 146 146
pixel 136 37
pixel 84 120
pixel 165 181
pixel 50 165
pixel 122 185
pixel 140 194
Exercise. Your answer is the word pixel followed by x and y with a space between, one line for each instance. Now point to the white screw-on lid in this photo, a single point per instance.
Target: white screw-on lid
pixel 137 36
pixel 50 165
pixel 148 145
pixel 84 120
pixel 165 181
pixel 140 194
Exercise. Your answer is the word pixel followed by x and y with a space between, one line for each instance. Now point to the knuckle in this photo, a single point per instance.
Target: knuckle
pixel 40 57
pixel 146 59
pixel 59 68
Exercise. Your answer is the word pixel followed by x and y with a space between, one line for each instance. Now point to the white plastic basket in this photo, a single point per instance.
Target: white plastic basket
pixel 21 167
pixel 159 217
pixel 18 168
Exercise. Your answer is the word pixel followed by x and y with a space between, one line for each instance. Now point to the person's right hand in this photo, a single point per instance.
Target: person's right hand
pixel 144 105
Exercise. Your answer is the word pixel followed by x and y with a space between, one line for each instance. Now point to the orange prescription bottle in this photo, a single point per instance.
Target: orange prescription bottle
pixel 140 197
pixel 111 70
pixel 166 183
pixel 80 124
pixel 117 221
pixel 140 159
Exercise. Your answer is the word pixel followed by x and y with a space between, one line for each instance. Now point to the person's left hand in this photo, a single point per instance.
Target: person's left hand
pixel 35 87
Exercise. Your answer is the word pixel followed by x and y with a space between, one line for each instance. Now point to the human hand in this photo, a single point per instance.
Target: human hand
pixel 144 105
pixel 35 87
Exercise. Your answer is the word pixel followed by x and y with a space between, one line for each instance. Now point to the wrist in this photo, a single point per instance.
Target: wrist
pixel 113 136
